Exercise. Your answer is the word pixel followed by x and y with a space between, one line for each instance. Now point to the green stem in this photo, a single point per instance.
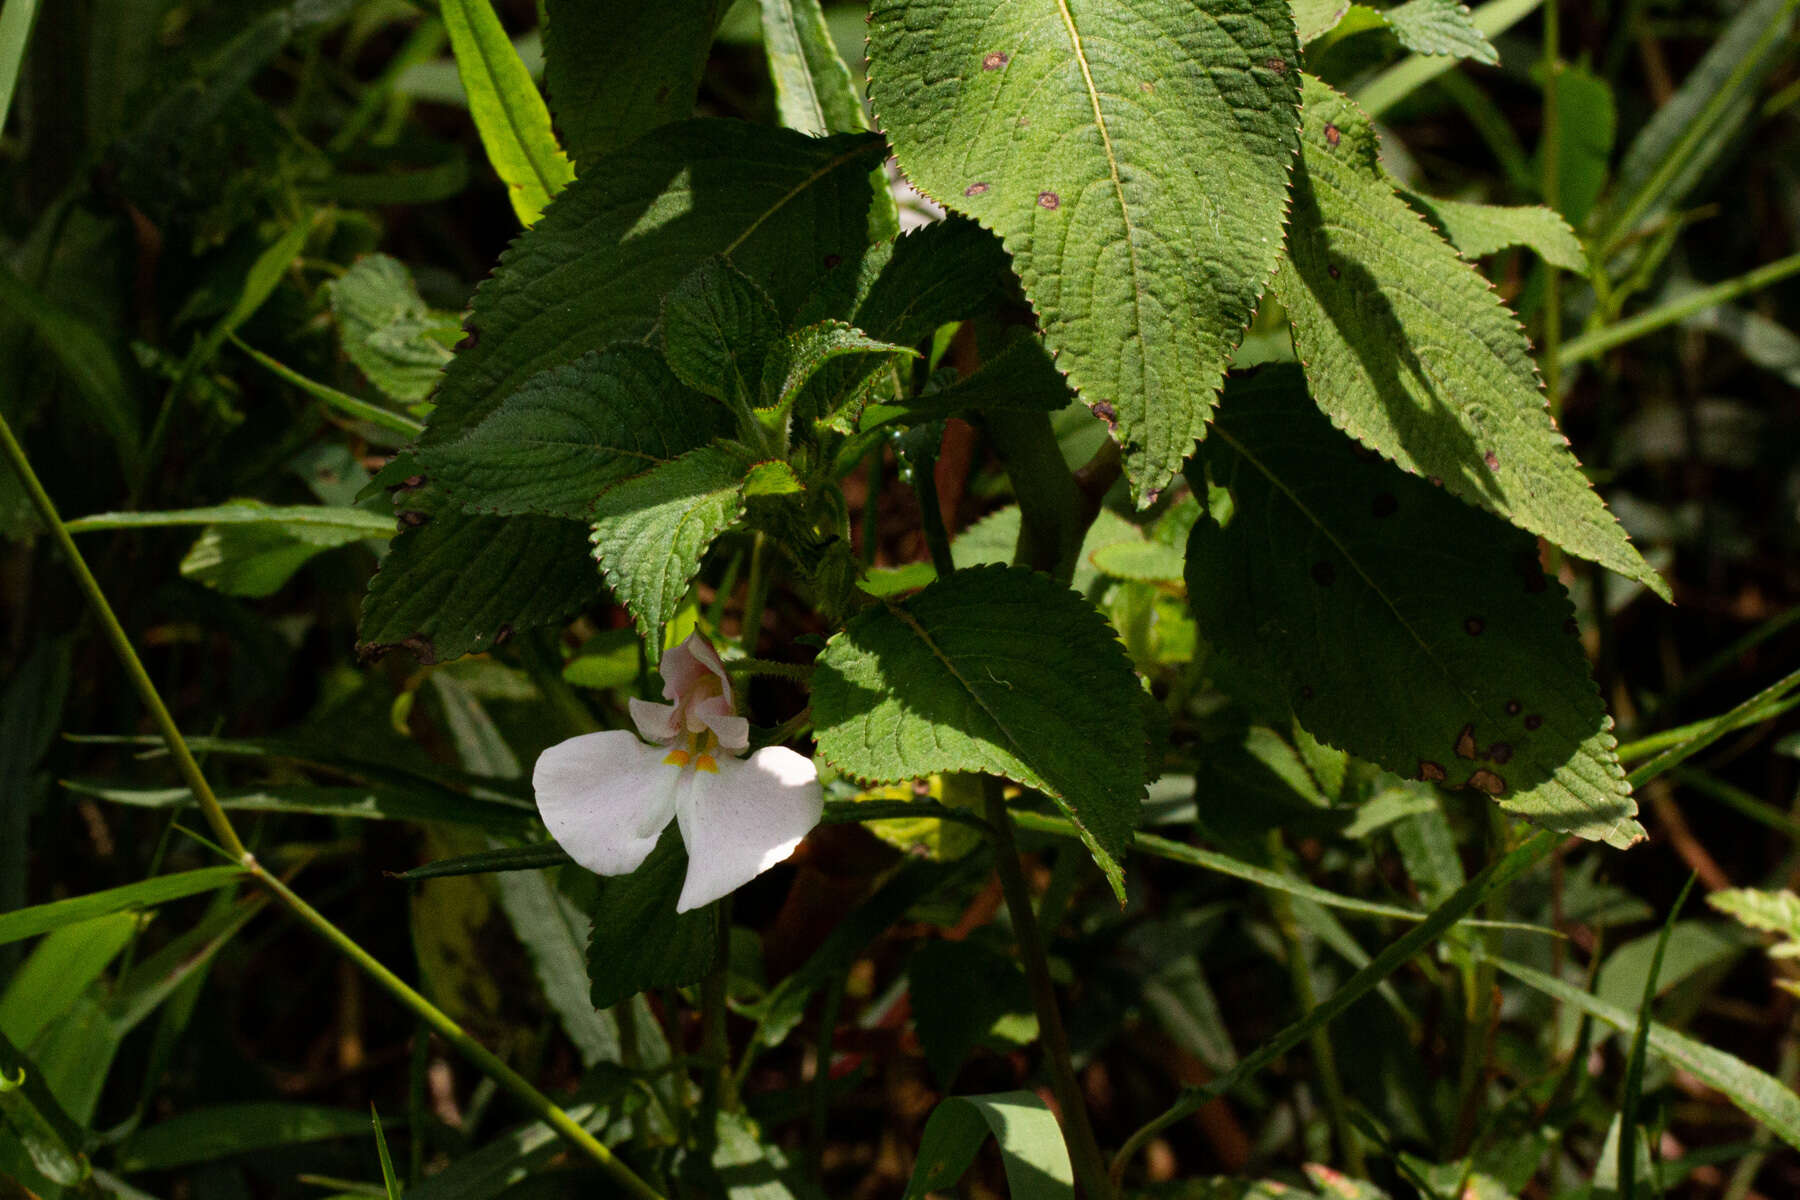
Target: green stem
pixel 756 597
pixel 479 1055
pixel 715 1047
pixel 821 1089
pixel 931 514
pixel 1591 345
pixel 1052 520
pixel 1078 1131
pixel 1550 156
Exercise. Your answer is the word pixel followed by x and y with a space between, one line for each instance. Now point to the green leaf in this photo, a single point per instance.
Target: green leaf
pixel 1140 559
pixel 651 531
pixel 572 432
pixel 813 91
pixel 307 520
pixel 509 114
pixel 998 670
pixel 389 1183
pixel 1020 376
pixel 605 99
pixel 1766 911
pixel 1316 18
pixel 1760 1095
pixel 1031 1145
pixel 959 991
pixel 1477 230
pixel 800 357
pixel 1714 106
pixel 1587 124
pixel 396 340
pixel 49 1153
pixel 555 932
pixel 779 204
pixel 902 290
pixel 1440 27
pixel 59 969
pixel 1135 162
pixel 1408 349
pixel 147 893
pixel 717 329
pixel 1401 625
pixel 386 804
pixel 639 941
pixel 204 1134
pixel 459 584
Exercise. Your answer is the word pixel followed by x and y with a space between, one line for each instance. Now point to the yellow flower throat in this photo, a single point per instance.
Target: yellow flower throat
pixel 697 753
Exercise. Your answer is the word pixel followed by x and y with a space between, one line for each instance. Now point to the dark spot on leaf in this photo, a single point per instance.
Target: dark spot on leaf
pixel 994 61
pixel 1473 626
pixel 1499 752
pixel 503 635
pixel 921 787
pixel 1533 721
pixel 1465 742
pixel 1277 65
pixel 1332 135
pixel 469 338
pixel 1514 708
pixel 1049 200
pixel 411 483
pixel 1334 272
pixel 1105 412
pixel 413 520
pixel 1486 781
pixel 1385 505
pixel 975 189
pixel 1492 460
pixel 1324 574
pixel 1435 480
pixel 832 260
pixel 1430 772
pixel 421 648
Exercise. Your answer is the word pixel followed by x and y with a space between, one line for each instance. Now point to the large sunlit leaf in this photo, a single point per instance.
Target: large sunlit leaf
pixel 1399 624
pixel 1031 1145
pixel 1408 349
pixel 997 670
pixel 1134 157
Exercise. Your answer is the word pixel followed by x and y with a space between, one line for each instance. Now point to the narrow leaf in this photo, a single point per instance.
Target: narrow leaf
pixel 509 114
pixel 1031 1145
pixel 205 1134
pixel 1408 349
pixel 813 92
pixel 148 893
pixel 1133 157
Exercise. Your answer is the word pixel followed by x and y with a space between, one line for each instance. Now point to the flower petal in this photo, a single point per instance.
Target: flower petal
pixel 605 797
pixel 733 732
pixel 687 663
pixel 743 819
pixel 657 722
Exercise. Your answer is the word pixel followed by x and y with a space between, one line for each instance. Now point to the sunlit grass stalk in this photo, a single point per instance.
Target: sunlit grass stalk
pixel 233 847
pixel 1608 337
pixel 1550 186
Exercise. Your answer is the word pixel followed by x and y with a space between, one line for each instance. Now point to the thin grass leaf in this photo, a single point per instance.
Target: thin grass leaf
pixel 1634 1066
pixel 15 31
pixel 147 893
pixel 389 1182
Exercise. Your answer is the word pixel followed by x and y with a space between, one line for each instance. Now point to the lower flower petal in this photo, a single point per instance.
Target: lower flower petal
pixel 743 818
pixel 605 797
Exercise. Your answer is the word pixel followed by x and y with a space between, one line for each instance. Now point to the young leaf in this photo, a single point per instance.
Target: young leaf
pixel 1316 18
pixel 1408 349
pixel 397 341
pixel 509 114
pixel 1031 1146
pixel 639 940
pixel 459 583
pixel 903 290
pixel 800 357
pixel 998 670
pixel 573 431
pixel 604 99
pixel 1402 625
pixel 1440 27
pixel 717 329
pixel 1135 161
pixel 651 531
pixel 1019 376
pixel 1477 230
pixel 782 205
pixel 813 92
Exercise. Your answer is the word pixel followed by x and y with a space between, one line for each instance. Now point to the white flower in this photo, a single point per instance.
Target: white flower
pixel 607 797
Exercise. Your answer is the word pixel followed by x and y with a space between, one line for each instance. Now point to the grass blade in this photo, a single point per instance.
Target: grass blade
pixel 147 893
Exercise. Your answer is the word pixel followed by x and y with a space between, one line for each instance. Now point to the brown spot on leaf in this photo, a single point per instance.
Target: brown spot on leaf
pixel 1499 752
pixel 411 483
pixel 1384 504
pixel 1486 781
pixel 1465 742
pixel 994 61
pixel 1332 135
pixel 1105 412
pixel 1514 708
pixel 1277 65
pixel 1333 271
pixel 1430 772
pixel 421 649
pixel 1492 460
pixel 503 635
pixel 1049 200
pixel 1324 574
pixel 1534 720
pixel 1435 480
pixel 975 189
pixel 1473 626
pixel 412 520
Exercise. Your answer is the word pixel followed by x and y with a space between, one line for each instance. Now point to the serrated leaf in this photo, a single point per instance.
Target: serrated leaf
pixel 1402 625
pixel 258 560
pixel 1020 376
pixel 1764 911
pixel 781 205
pixel 1031 1146
pixel 508 111
pixel 396 340
pixel 1477 230
pixel 718 328
pixel 1134 160
pixel 1316 18
pixel 997 670
pixel 1440 27
pixel 1140 559
pixel 639 941
pixel 773 478
pixel 604 99
pixel 573 431
pixel 799 358
pixel 460 583
pixel 1408 349
pixel 651 531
